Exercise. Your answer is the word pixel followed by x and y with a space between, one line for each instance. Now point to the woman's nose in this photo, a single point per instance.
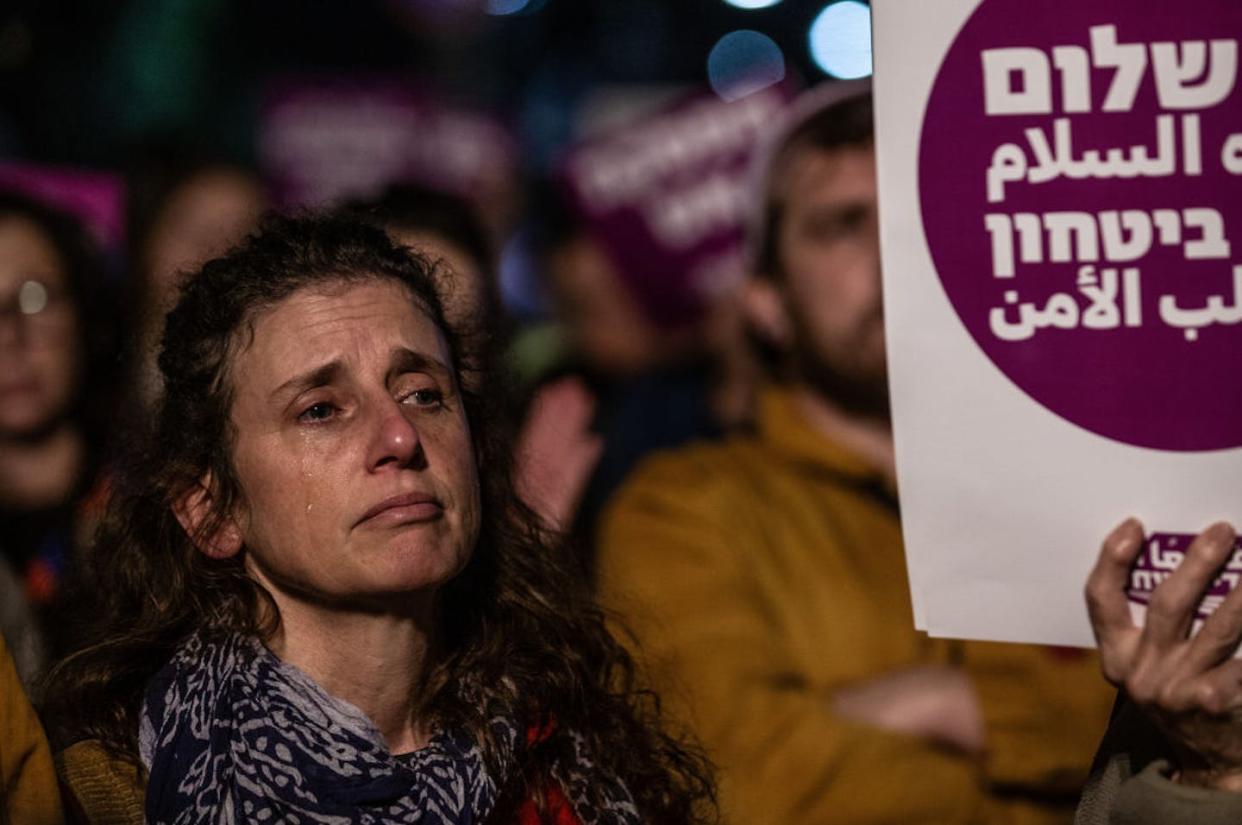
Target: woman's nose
pixel 396 439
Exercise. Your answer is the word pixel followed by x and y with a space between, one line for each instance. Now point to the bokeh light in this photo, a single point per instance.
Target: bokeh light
pixel 32 298
pixel 503 8
pixel 752 4
pixel 742 62
pixel 840 39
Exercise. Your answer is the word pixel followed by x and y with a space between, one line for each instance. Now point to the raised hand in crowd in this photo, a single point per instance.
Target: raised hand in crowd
pixel 1190 685
pixel 557 450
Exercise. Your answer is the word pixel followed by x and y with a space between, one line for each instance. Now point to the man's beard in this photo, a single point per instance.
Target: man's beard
pixel 858 388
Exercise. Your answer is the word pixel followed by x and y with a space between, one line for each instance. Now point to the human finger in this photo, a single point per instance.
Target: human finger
pixel 1221 633
pixel 1171 609
pixel 1215 692
pixel 1106 585
pixel 1115 633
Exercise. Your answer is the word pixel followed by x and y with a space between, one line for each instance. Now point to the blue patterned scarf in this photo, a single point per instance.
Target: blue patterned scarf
pixel 232 734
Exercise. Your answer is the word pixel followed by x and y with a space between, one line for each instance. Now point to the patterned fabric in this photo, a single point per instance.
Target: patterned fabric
pixel 231 734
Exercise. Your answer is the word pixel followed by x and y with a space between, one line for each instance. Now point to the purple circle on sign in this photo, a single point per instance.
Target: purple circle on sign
pixel 1081 212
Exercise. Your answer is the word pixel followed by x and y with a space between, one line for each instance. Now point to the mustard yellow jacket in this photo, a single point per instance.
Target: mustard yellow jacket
pixel 29 794
pixel 761 574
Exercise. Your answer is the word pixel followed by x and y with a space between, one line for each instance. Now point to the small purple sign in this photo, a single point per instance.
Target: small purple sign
pixel 668 197
pixel 1162 555
pixel 95 198
pixel 1079 177
pixel 322 141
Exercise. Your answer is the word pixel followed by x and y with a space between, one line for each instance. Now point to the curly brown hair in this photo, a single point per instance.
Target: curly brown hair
pixel 521 634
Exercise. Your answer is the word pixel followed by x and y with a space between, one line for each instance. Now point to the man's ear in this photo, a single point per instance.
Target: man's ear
pixel 194 510
pixel 763 303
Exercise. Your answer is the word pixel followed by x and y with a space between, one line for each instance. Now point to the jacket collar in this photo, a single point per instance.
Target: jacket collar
pixel 784 427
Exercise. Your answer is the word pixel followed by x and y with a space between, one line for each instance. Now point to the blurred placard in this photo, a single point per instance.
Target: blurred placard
pixel 97 199
pixel 668 196
pixel 1062 245
pixel 323 140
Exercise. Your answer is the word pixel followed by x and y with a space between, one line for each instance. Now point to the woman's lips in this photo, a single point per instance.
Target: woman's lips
pixel 403 509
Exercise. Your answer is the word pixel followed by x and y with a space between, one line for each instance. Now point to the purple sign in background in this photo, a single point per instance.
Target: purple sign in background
pixel 95 198
pixel 668 197
pixel 1080 178
pixel 321 140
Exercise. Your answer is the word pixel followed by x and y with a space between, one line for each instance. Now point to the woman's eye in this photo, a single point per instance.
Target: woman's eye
pixel 425 398
pixel 317 412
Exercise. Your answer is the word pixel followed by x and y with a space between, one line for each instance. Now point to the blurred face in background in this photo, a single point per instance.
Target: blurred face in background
pixel 605 324
pixel 203 218
pixel 459 281
pixel 825 300
pixel 39 349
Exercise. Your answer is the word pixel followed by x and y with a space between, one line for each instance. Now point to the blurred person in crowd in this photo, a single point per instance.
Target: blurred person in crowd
pixel 631 386
pixel 57 381
pixel 319 595
pixel 449 231
pixel 764 575
pixel 1173 751
pixel 605 325
pixel 29 794
pixel 184 207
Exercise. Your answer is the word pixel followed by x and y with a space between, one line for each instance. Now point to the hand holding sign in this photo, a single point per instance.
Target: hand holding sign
pixel 1062 251
pixel 1191 686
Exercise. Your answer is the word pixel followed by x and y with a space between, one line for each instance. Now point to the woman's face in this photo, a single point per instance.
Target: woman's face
pixel 352 448
pixel 38 336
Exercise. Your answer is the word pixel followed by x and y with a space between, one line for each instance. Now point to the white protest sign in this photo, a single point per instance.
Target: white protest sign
pixel 1061 201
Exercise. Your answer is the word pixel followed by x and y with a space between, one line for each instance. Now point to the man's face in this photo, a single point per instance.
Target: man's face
pixel 829 275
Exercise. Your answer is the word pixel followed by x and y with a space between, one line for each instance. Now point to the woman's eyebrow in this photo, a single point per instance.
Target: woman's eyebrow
pixel 316 377
pixel 408 360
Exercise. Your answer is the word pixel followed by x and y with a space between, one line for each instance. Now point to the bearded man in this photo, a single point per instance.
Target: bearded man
pixel 764 580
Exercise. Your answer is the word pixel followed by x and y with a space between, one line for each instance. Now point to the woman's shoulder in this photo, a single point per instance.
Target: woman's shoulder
pixel 100 787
